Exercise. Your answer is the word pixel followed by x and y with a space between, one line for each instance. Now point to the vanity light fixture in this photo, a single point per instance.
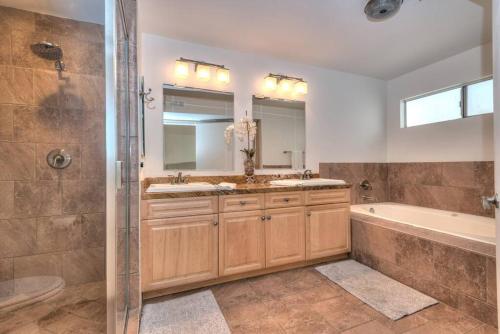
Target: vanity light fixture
pixel 300 88
pixel 270 82
pixel 181 69
pixel 285 84
pixel 203 70
pixel 223 75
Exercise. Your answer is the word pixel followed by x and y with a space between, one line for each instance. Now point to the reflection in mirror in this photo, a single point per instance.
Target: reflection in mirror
pixel 193 129
pixel 281 133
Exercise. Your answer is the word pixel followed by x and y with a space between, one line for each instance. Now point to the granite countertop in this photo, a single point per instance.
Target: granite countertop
pixel 256 188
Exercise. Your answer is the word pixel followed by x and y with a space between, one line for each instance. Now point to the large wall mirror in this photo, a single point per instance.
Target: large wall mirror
pixel 193 129
pixel 281 133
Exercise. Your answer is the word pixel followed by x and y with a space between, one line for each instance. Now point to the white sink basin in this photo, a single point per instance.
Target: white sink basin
pixel 311 182
pixel 176 188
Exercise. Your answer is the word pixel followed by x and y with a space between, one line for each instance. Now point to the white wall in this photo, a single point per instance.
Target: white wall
pixel 469 139
pixel 345 113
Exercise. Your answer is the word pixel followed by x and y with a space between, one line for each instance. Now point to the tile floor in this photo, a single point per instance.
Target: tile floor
pixel 303 301
pixel 77 310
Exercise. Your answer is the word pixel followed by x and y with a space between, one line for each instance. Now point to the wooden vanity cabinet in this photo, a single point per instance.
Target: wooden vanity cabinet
pixel 328 230
pixel 285 236
pixel 188 241
pixel 178 251
pixel 242 245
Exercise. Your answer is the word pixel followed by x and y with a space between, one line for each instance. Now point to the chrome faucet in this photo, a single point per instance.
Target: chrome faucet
pixel 307 175
pixel 179 179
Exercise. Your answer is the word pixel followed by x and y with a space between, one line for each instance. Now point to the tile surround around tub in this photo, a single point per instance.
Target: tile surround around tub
pixel 452 186
pixel 51 221
pixel 458 277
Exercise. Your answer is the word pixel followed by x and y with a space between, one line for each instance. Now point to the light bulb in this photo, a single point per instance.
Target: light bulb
pixel 270 83
pixel 285 85
pixel 181 69
pixel 203 72
pixel 300 88
pixel 223 75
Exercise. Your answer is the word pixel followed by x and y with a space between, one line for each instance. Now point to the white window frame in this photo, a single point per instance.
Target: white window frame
pixel 463 101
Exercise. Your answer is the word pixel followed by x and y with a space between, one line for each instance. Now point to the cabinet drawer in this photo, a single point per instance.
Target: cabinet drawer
pixel 286 199
pixel 179 207
pixel 315 197
pixel 231 203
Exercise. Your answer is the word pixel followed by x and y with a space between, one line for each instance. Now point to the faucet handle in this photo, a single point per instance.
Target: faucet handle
pixel 490 202
pixel 185 178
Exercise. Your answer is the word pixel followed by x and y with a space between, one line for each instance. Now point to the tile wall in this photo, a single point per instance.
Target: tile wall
pixel 52 222
pixel 459 277
pixel 453 186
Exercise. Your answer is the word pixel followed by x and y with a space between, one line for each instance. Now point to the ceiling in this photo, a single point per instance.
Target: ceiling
pixel 81 10
pixel 327 33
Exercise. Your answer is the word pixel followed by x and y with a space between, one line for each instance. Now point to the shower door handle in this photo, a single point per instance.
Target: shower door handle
pixel 118 174
pixel 490 202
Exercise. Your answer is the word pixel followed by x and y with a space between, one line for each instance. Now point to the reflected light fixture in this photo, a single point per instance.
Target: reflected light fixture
pixel 270 82
pixel 202 72
pixel 181 69
pixel 300 88
pixel 223 75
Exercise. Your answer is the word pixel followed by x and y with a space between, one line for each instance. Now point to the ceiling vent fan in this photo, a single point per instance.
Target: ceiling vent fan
pixel 379 10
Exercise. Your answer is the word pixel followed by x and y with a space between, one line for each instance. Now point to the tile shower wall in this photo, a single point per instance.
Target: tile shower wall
pixel 453 186
pixel 52 222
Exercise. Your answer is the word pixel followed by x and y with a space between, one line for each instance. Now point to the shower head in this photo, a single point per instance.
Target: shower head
pixel 379 10
pixel 49 51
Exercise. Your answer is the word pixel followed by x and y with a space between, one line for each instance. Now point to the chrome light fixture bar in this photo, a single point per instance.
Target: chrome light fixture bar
pixel 285 84
pixel 202 69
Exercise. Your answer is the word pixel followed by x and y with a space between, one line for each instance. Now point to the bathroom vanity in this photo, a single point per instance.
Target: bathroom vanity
pixel 195 239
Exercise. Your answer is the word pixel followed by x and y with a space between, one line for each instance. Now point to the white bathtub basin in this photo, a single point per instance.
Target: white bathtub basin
pixel 457 224
pixel 176 188
pixel 311 182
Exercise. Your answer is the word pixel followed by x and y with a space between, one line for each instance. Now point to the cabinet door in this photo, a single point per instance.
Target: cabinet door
pixel 327 230
pixel 285 236
pixel 178 251
pixel 241 242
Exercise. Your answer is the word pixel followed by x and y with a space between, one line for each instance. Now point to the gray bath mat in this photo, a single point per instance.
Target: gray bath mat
pixel 197 313
pixel 393 299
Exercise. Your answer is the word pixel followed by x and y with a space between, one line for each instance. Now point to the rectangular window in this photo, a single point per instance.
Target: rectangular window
pixel 479 97
pixel 446 105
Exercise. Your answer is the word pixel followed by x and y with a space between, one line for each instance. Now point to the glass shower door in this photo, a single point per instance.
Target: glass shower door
pixel 118 155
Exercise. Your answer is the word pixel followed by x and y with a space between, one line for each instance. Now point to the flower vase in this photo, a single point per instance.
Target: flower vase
pixel 249 166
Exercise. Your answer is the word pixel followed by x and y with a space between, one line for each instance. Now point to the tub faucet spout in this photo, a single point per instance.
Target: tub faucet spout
pixel 369 198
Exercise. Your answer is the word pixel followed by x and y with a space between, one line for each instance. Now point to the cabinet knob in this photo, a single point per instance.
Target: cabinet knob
pixel 268 217
pixel 243 202
pixel 263 218
pixel 216 223
pixel 308 214
pixel 286 200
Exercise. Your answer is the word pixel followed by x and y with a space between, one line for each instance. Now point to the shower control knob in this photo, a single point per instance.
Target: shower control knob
pixel 58 159
pixel 490 202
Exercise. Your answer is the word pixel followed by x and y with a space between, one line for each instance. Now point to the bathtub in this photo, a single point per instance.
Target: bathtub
pixel 467 226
